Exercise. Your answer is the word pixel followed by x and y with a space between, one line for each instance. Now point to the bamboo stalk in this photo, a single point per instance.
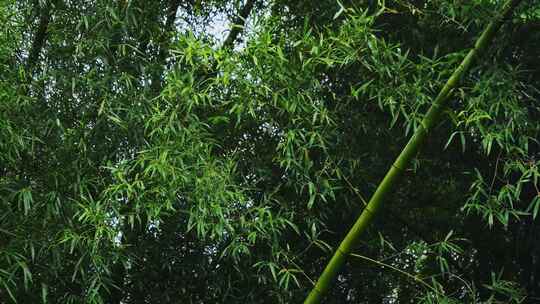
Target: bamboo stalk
pixel 39 39
pixel 403 160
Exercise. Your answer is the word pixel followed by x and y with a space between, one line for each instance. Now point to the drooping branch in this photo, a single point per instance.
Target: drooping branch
pixel 388 184
pixel 238 25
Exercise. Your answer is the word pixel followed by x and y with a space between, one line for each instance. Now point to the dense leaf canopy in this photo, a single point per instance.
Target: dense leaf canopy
pixel 218 151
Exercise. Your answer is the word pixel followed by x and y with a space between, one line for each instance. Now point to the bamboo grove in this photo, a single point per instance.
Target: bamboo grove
pixel 219 151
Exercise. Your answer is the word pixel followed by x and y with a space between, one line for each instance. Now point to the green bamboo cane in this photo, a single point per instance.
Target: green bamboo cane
pixel 403 160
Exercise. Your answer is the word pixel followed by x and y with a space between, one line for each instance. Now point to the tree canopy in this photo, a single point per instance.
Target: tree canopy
pixel 219 151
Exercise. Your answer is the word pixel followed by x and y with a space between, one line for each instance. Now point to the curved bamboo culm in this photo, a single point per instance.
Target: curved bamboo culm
pixel 403 160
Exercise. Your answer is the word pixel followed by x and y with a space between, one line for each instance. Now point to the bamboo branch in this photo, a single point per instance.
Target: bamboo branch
pixel 238 25
pixel 410 276
pixel 171 14
pixel 387 186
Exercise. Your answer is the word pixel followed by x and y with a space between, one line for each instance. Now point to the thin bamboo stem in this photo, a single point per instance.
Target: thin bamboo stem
pixel 410 276
pixel 393 175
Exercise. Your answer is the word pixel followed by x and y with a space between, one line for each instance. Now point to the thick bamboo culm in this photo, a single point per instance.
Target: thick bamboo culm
pixel 403 160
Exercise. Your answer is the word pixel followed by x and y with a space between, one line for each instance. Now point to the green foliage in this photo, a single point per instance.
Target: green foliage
pixel 141 162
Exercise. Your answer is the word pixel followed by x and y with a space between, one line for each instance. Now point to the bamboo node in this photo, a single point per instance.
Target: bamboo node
pixel 343 252
pixel 398 168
